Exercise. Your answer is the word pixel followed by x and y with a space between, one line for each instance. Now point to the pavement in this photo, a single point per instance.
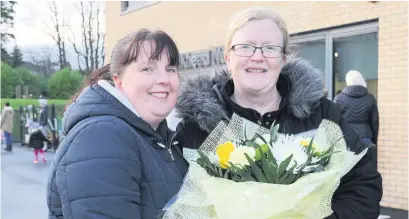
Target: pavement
pixel 23 184
pixel 23 187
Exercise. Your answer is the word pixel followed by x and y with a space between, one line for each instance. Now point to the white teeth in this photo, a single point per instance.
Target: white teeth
pixel 160 95
pixel 256 70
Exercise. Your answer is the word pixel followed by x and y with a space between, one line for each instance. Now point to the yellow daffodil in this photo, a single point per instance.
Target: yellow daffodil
pixel 223 151
pixel 306 142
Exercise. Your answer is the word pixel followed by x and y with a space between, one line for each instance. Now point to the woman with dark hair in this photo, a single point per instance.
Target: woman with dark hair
pixel 117 158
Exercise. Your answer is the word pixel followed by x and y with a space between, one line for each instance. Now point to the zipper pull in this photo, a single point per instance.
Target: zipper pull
pixel 171 154
pixel 161 145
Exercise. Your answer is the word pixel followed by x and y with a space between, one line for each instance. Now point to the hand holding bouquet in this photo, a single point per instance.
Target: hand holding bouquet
pixel 246 171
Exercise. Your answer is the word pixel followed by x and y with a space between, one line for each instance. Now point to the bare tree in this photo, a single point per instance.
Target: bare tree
pixel 90 50
pixel 77 50
pixel 84 39
pixel 103 48
pixel 91 37
pixel 57 36
pixel 98 38
pixel 44 60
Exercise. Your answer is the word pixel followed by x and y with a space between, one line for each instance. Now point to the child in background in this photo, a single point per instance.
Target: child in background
pixel 36 140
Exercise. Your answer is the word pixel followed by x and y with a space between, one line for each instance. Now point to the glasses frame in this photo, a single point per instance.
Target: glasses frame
pixel 258 47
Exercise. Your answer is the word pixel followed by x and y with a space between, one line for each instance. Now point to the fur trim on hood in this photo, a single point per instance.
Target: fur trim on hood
pixel 201 102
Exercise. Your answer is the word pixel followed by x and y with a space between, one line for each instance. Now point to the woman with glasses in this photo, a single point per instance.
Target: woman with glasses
pixel 263 85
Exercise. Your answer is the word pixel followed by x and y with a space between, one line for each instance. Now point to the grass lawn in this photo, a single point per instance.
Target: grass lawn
pixel 15 103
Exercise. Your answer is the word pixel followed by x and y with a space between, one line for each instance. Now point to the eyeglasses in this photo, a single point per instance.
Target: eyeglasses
pixel 268 51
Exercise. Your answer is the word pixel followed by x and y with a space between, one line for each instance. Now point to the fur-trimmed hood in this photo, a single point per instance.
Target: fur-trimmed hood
pixel 200 100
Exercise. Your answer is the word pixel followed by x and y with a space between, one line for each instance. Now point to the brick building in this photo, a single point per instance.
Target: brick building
pixel 369 36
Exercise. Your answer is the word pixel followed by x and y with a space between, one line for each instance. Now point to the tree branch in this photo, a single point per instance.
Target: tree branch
pixel 57 38
pixel 87 67
pixel 97 44
pixel 90 37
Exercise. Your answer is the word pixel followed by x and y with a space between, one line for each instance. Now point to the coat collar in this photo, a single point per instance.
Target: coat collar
pixel 202 103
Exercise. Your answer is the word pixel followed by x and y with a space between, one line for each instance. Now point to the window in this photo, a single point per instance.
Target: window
pixel 314 52
pixel 360 53
pixel 338 50
pixel 128 6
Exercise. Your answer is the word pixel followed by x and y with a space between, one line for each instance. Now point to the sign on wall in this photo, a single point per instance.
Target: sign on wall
pixel 202 59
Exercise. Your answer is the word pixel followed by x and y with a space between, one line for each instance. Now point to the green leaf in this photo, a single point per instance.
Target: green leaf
pixel 265 167
pixel 329 154
pixel 245 134
pixel 261 138
pixel 284 178
pixel 256 170
pixel 251 144
pixel 206 159
pixel 291 179
pixel 310 148
pixel 240 174
pixel 226 174
pixel 270 157
pixel 220 171
pixel 273 133
pixel 205 162
pixel 281 180
pixel 283 167
pixel 333 144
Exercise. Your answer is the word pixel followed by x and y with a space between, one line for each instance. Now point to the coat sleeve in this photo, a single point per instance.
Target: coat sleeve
pixel 375 124
pixel 360 191
pixel 44 117
pixel 99 176
pixel 3 118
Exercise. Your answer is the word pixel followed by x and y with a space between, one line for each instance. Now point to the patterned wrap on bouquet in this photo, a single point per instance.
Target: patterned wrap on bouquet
pixel 205 197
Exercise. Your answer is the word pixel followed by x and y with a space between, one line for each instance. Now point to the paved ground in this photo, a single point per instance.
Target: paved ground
pixel 23 187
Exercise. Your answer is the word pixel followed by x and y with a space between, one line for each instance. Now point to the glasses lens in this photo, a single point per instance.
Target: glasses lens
pixel 244 50
pixel 272 51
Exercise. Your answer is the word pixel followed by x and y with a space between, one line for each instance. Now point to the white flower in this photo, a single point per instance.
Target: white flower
pixel 237 157
pixel 287 145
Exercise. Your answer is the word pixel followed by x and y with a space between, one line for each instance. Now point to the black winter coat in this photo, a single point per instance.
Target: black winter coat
pixel 37 140
pixel 205 101
pixel 43 120
pixel 112 164
pixel 360 110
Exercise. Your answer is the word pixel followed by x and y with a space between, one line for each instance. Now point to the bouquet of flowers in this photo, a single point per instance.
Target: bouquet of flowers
pixel 243 170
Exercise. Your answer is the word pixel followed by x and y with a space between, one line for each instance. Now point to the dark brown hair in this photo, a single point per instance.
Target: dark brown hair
pixel 127 50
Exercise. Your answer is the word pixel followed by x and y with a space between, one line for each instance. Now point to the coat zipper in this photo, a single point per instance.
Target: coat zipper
pixel 169 149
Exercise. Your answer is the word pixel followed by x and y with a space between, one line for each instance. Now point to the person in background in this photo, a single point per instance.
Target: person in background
pixel 359 108
pixel 37 140
pixel 43 119
pixel 6 125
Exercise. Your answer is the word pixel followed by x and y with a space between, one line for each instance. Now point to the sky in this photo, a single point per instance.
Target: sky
pixel 33 27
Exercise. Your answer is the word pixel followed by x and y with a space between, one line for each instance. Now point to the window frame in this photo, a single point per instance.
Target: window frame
pixel 135 7
pixel 329 35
